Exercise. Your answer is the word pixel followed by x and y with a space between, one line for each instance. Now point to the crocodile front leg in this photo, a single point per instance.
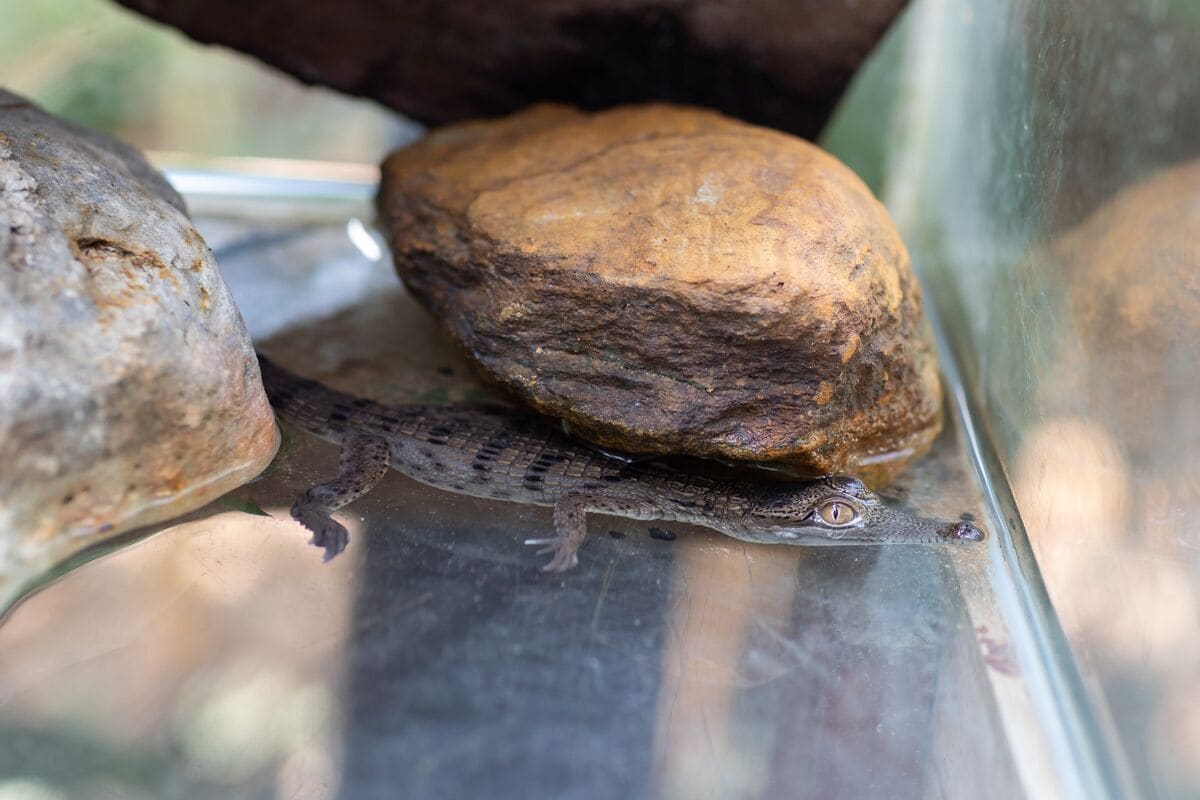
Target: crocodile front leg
pixel 364 462
pixel 570 522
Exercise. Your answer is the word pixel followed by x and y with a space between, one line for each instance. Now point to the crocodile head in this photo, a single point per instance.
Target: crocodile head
pixel 838 509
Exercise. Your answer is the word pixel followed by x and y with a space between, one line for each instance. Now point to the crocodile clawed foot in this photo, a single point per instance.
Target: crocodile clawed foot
pixel 563 549
pixel 327 532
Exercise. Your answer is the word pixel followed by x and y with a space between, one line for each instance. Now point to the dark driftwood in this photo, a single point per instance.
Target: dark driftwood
pixel 774 62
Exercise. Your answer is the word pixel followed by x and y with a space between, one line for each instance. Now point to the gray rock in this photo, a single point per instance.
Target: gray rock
pixel 129 390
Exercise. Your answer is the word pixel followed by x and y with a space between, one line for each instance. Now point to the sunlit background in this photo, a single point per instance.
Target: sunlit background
pixel 100 65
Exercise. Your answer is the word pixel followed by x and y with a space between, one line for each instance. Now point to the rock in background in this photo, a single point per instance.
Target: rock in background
pixel 669 280
pixel 774 62
pixel 129 391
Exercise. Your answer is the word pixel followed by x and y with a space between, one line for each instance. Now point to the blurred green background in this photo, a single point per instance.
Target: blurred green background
pixel 97 64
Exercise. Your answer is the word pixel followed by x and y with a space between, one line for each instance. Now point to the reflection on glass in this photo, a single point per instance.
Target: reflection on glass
pixel 1108 474
pixel 179 668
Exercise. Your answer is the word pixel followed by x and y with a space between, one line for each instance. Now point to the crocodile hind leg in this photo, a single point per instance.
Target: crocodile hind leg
pixel 363 464
pixel 570 523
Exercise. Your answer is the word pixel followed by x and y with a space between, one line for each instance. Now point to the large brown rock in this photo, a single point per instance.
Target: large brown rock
pixel 129 391
pixel 775 62
pixel 669 280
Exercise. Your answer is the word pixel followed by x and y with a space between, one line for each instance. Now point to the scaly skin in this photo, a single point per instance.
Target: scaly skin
pixel 509 455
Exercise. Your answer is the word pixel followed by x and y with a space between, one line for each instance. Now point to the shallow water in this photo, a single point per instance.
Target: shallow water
pixel 220 657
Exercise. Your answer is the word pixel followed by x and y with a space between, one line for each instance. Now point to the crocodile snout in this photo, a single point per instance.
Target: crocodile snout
pixel 965 532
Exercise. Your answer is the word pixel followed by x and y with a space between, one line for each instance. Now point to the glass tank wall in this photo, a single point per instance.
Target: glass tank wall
pixel 1038 157
pixel 1043 162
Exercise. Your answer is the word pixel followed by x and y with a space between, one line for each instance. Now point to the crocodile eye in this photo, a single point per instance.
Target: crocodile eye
pixel 837 514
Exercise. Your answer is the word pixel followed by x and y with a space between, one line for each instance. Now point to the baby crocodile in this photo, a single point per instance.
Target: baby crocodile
pixel 509 455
